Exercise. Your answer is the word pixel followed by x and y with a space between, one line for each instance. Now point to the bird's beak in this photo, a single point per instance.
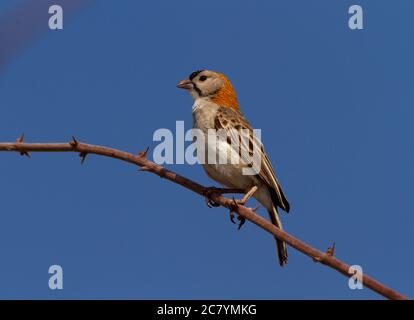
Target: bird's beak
pixel 186 84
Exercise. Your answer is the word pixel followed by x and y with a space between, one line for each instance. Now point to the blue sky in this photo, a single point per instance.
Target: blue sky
pixel 335 107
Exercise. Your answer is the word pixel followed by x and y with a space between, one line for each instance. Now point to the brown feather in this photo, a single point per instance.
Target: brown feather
pixel 227 119
pixel 226 96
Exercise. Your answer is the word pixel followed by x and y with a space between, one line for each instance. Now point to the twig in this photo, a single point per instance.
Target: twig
pixel 247 213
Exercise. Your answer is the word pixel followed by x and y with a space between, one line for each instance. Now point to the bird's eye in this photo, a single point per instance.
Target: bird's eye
pixel 203 78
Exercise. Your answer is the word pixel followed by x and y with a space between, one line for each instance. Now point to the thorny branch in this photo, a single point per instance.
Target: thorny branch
pixel 244 212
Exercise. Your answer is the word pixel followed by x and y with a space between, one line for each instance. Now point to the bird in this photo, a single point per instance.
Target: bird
pixel 216 107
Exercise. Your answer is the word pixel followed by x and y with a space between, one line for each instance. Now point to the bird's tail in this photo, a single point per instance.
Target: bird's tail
pixel 281 246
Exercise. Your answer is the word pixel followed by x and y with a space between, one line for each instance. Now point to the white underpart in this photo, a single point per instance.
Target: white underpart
pixel 229 175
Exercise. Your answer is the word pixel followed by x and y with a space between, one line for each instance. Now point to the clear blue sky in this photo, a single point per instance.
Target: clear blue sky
pixel 336 111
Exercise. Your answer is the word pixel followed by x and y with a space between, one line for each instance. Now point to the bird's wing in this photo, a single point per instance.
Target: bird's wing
pixel 233 122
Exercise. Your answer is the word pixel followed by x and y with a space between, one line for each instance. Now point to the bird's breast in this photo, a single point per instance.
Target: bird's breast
pixel 204 114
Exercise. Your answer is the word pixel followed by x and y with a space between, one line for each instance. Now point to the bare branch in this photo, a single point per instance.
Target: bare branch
pixel 245 213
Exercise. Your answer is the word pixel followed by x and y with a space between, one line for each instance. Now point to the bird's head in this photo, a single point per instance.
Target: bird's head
pixel 215 86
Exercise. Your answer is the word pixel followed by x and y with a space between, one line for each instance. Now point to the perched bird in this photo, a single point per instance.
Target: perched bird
pixel 216 107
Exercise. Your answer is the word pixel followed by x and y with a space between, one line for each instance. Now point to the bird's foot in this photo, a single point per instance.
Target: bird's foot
pixel 208 192
pixel 207 196
pixel 242 220
pixel 241 202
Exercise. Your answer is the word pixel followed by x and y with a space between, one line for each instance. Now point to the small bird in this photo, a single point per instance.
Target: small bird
pixel 216 107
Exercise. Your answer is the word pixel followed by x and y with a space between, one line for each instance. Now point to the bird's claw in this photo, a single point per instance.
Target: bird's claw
pixel 241 202
pixel 242 221
pixel 236 202
pixel 232 215
pixel 210 203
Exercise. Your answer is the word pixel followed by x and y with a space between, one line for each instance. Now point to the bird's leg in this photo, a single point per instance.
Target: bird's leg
pixel 242 201
pixel 247 196
pixel 208 192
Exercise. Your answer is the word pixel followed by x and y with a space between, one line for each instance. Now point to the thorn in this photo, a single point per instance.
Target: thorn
pixel 331 250
pixel 83 155
pixel 143 154
pixel 20 139
pixel 74 142
pixel 22 152
pixel 143 168
pixel 255 209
